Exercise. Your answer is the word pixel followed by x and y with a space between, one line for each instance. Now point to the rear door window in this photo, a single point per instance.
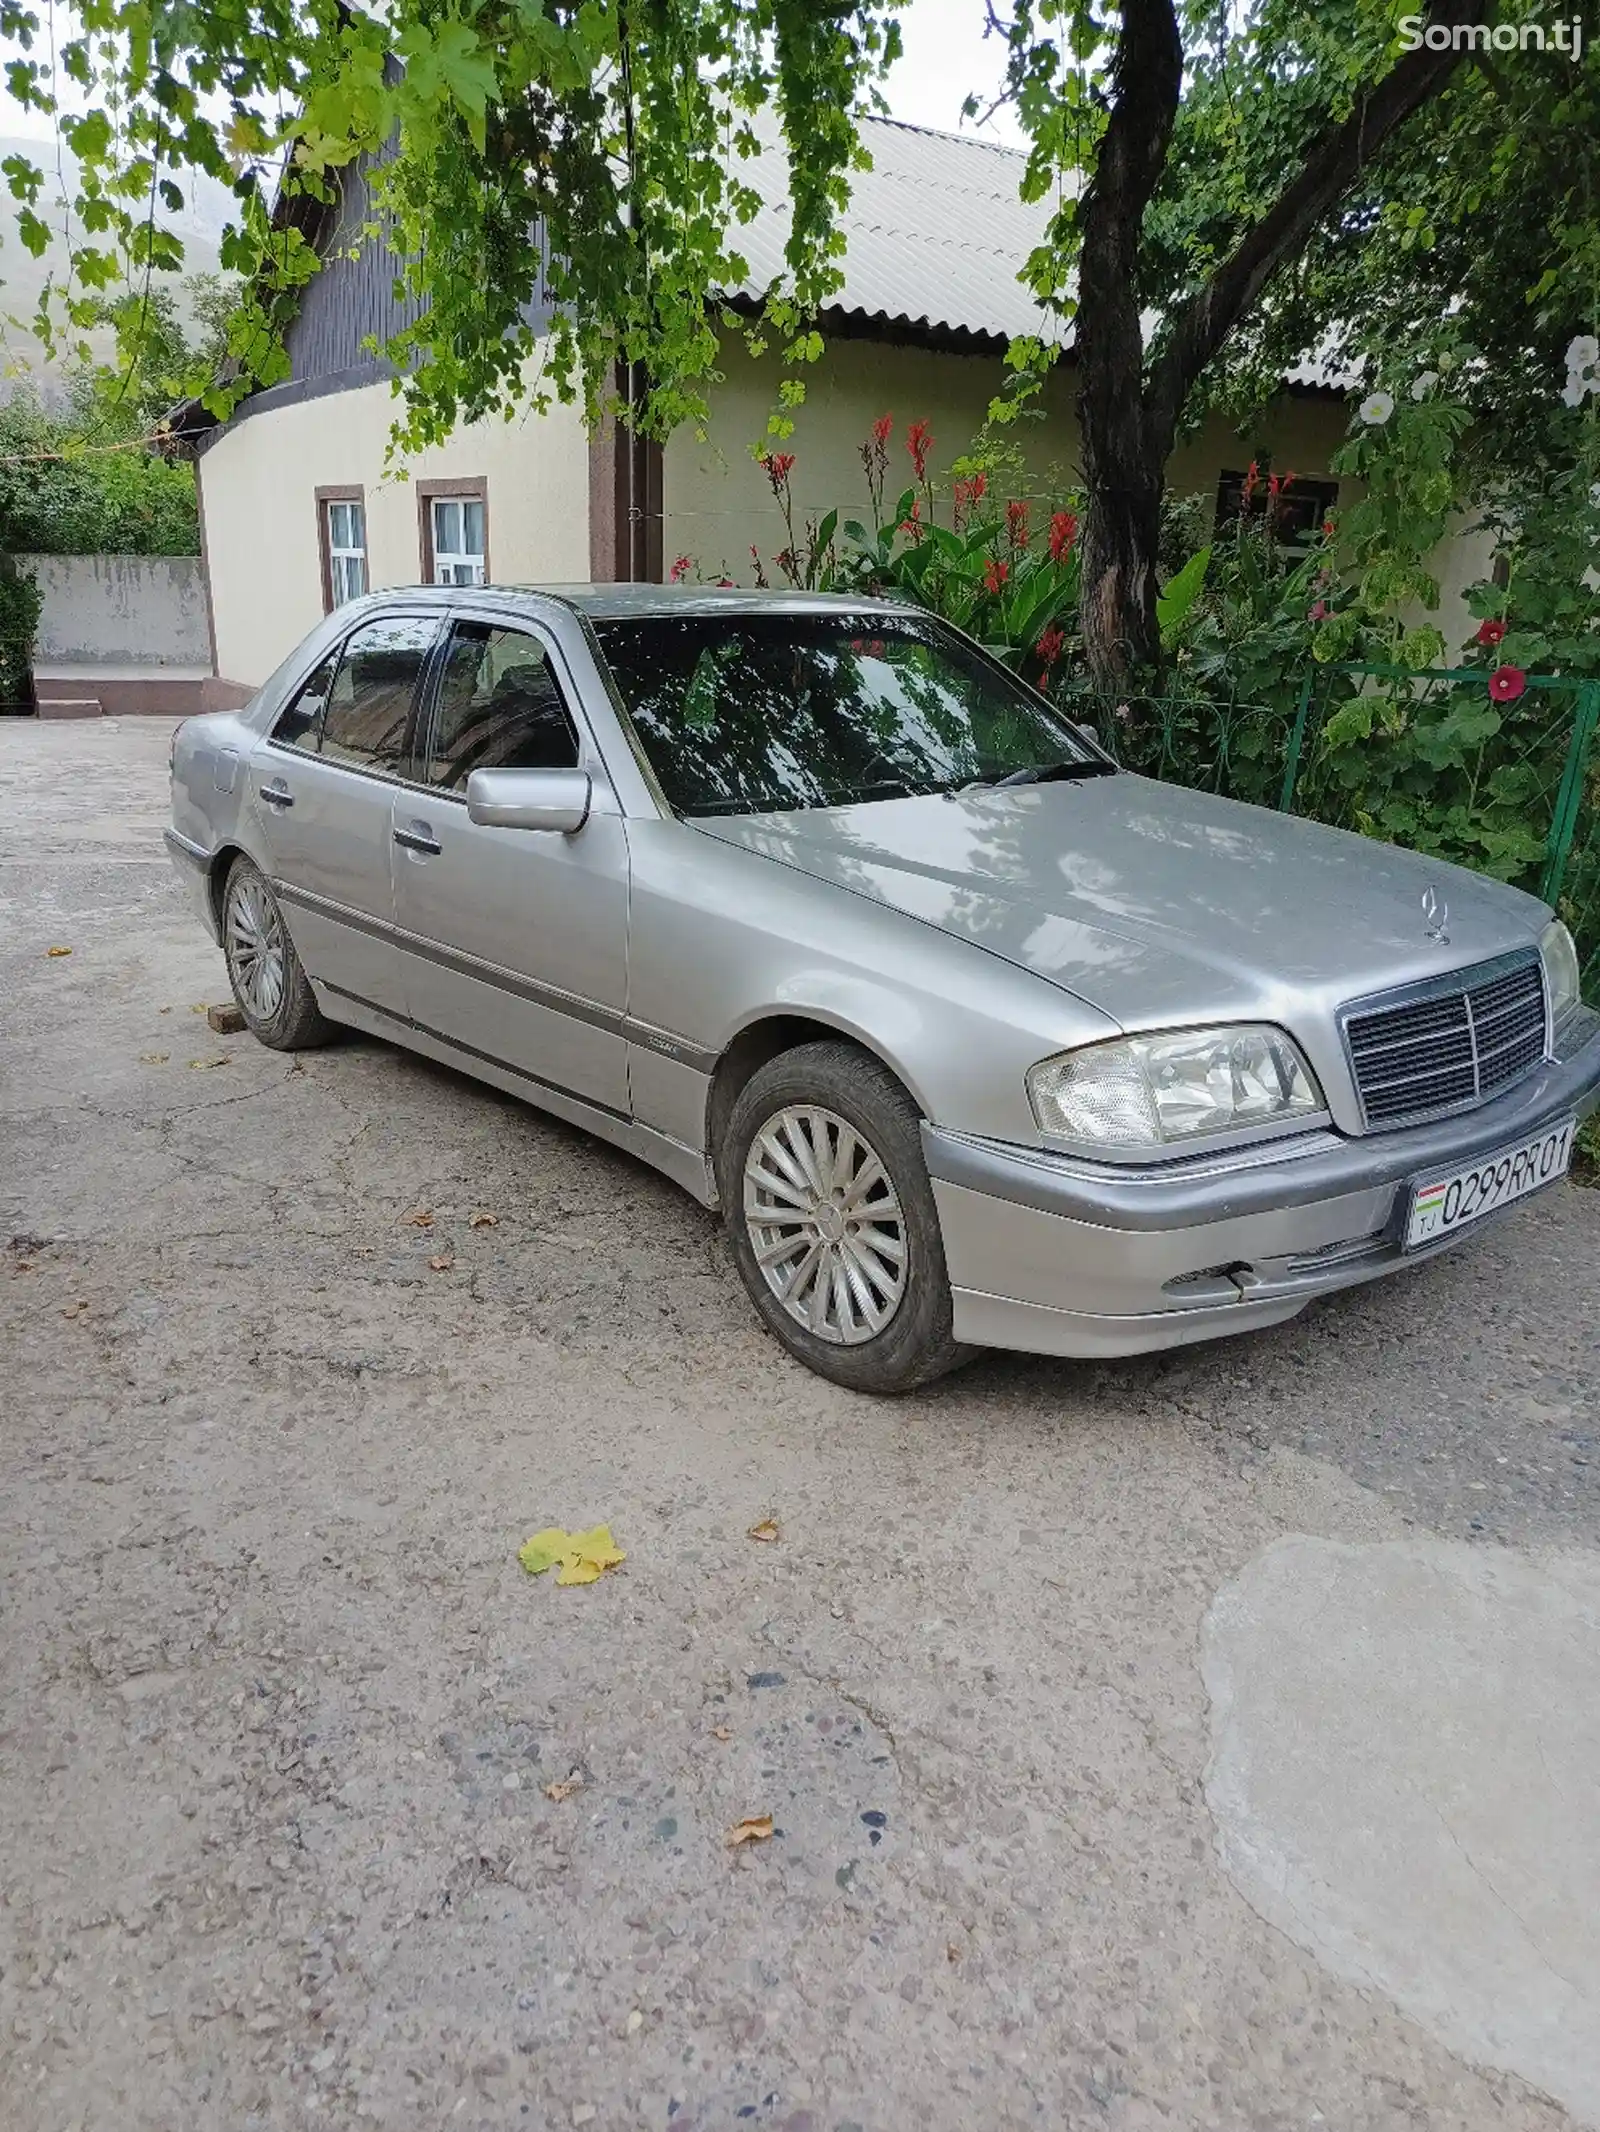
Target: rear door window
pixel 366 716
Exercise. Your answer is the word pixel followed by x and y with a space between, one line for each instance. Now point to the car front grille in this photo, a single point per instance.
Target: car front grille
pixel 1448 1045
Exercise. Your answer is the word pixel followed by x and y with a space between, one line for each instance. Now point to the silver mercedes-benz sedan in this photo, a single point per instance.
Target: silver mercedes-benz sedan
pixel 976 1039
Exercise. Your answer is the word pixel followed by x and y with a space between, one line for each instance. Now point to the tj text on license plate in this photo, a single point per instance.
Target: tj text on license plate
pixel 1442 1204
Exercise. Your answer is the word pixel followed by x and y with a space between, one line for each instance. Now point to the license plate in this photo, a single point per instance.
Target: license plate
pixel 1444 1204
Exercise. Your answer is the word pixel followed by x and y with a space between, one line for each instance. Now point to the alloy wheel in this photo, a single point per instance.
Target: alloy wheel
pixel 825 1224
pixel 255 947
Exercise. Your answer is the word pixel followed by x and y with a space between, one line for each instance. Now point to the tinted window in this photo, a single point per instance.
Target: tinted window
pixel 499 708
pixel 751 712
pixel 297 724
pixel 365 717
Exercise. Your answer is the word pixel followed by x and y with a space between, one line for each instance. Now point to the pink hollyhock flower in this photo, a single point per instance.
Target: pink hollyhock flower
pixel 1507 683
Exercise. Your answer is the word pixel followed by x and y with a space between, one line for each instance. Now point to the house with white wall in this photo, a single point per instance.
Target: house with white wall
pixel 300 507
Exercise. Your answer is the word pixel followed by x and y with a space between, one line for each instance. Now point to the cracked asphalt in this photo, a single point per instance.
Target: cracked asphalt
pixel 278 1708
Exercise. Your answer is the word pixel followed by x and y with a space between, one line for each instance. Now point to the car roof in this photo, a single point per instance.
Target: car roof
pixel 635 603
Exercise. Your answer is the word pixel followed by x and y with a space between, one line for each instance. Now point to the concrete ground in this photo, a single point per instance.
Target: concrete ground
pixel 1199 1742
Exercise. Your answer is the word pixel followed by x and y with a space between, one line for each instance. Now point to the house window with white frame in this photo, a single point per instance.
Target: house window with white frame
pixel 345 532
pixel 458 540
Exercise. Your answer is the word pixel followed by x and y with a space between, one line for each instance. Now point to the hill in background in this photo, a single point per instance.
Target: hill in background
pixel 208 207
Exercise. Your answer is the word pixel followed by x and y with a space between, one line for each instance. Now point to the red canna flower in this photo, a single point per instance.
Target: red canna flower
pixel 680 570
pixel 1327 529
pixel 919 442
pixel 1017 524
pixel 882 429
pixel 1250 478
pixel 995 575
pixel 778 466
pixel 1049 646
pixel 1063 532
pixel 913 527
pixel 1491 631
pixel 1507 683
pixel 1289 480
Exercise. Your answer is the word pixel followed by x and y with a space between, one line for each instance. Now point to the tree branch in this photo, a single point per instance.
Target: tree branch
pixel 1332 165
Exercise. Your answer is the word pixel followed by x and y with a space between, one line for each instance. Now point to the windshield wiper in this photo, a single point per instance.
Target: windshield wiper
pixel 1046 773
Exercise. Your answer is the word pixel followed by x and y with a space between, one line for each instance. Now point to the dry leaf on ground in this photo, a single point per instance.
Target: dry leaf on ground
pixel 722 1732
pixel 766 1530
pixel 442 1263
pixel 163 1010
pixel 563 1790
pixel 154 1058
pixel 58 951
pixel 754 1828
pixel 203 1065
pixel 200 1009
pixel 578 1557
pixel 485 1220
pixel 75 1310
pixel 421 1218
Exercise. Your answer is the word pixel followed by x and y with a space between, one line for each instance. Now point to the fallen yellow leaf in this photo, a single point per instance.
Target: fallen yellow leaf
pixel 200 1009
pixel 563 1790
pixel 577 1557
pixel 58 951
pixel 482 1220
pixel 202 1065
pixel 754 1828
pixel 766 1530
pixel 154 1058
pixel 442 1263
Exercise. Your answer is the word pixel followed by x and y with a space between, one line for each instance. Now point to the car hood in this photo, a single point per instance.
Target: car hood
pixel 1155 903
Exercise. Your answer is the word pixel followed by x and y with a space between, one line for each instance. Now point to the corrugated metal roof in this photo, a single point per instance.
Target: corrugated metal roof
pixel 935 233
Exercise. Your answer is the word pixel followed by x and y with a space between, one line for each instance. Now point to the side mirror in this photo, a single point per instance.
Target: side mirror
pixel 554 800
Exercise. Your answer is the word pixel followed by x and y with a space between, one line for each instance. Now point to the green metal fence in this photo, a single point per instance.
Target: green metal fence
pixel 1425 759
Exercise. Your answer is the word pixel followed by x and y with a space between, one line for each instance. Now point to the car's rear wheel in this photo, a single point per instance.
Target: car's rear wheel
pixel 833 1222
pixel 271 988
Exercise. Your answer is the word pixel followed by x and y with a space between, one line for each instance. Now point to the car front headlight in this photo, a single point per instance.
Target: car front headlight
pixel 1561 976
pixel 1152 1091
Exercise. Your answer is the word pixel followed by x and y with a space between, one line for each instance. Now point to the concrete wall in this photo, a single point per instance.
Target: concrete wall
pixel 123 612
pixel 258 486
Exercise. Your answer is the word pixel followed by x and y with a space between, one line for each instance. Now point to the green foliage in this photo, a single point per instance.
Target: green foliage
pixel 69 485
pixel 586 150
pixel 20 601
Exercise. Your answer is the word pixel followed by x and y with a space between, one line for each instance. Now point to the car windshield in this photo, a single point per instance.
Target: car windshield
pixel 748 713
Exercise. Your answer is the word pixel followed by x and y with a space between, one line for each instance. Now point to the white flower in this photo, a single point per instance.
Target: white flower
pixel 1376 408
pixel 1577 389
pixel 1423 384
pixel 1583 352
pixel 1594 495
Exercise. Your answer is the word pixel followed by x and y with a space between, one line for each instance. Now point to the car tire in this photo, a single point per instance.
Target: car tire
pixel 870 1326
pixel 269 986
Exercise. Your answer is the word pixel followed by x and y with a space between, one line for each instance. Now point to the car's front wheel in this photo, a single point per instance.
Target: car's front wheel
pixel 833 1221
pixel 271 988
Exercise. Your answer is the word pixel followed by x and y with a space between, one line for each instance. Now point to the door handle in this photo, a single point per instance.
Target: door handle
pixel 277 794
pixel 419 837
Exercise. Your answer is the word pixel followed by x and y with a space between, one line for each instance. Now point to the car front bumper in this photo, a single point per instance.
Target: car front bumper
pixel 1058 1256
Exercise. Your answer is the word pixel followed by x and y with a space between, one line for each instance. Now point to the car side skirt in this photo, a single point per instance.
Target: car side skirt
pixel 686 1166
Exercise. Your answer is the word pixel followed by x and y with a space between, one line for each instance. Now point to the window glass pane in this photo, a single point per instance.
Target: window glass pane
pixel 367 709
pixel 446 526
pixel 297 722
pixel 349 578
pixel 339 526
pixel 500 708
pixel 760 712
pixel 472 527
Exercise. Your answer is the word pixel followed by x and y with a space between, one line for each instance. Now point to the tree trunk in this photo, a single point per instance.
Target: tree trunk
pixel 1122 474
pixel 1128 426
